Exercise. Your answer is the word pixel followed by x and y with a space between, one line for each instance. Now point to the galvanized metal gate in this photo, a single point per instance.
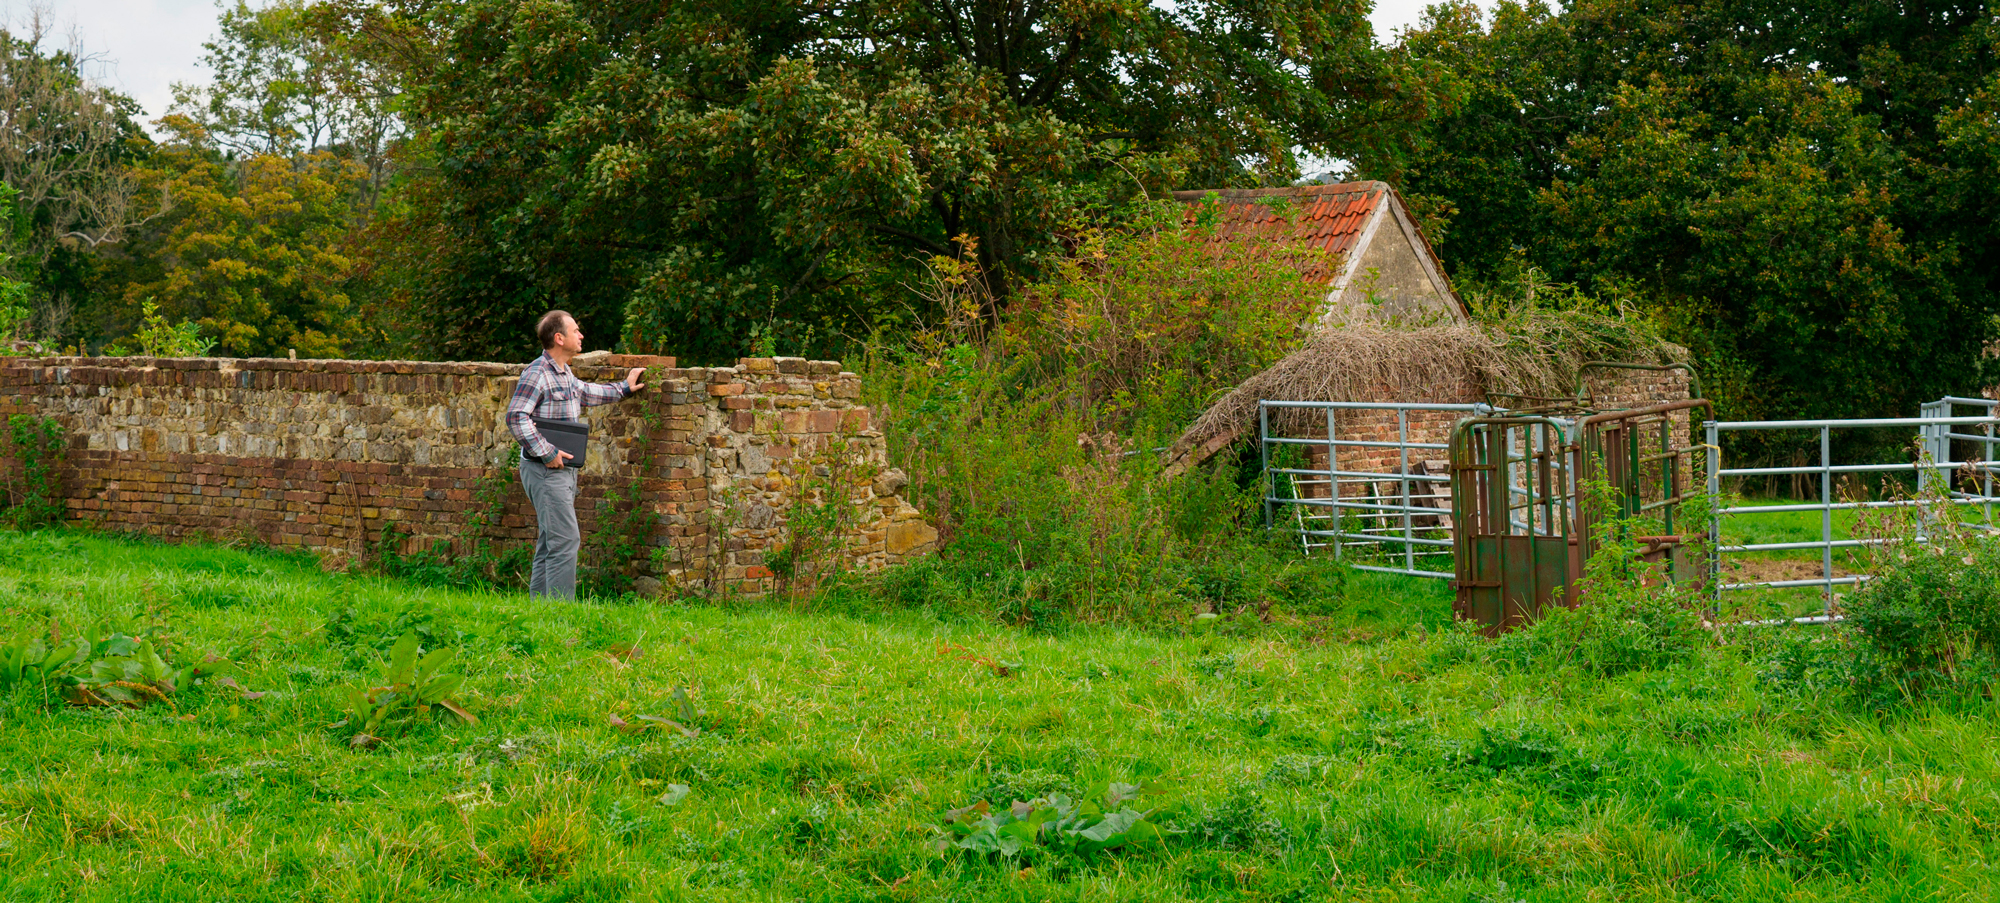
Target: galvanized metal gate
pixel 1515 519
pixel 1955 451
pixel 1396 520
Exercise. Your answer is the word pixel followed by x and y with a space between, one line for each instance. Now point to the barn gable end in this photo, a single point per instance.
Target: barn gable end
pixel 1381 268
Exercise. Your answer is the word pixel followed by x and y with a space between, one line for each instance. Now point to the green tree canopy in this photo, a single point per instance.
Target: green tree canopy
pixel 700 169
pixel 1792 184
pixel 254 251
pixel 280 84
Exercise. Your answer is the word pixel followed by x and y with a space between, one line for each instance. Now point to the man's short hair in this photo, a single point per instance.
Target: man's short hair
pixel 550 324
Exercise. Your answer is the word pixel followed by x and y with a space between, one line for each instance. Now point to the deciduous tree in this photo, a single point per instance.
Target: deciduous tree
pixel 253 251
pixel 700 169
pixel 1788 183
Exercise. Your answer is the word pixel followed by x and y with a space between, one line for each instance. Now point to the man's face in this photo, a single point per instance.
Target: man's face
pixel 571 337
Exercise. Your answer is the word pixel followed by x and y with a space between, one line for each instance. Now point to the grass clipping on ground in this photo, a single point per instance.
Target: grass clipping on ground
pixel 1536 352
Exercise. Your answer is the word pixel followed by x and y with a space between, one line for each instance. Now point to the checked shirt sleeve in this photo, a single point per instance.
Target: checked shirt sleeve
pixel 521 409
pixel 594 394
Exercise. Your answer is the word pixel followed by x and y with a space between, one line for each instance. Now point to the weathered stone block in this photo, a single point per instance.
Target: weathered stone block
pixel 910 537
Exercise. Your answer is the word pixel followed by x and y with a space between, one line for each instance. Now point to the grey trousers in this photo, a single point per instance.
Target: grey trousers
pixel 557 538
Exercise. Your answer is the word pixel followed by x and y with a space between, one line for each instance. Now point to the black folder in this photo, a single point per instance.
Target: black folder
pixel 566 435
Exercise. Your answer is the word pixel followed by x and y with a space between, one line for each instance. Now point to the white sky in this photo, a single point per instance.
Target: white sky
pixel 143 46
pixel 140 47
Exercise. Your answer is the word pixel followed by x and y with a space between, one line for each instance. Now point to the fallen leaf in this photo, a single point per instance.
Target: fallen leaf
pixel 364 741
pixel 675 793
pixel 978 808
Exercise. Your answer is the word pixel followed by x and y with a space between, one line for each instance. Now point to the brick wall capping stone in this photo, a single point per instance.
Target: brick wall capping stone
pixel 310 365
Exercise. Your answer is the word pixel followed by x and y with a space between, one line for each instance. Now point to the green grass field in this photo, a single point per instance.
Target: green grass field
pixel 1372 754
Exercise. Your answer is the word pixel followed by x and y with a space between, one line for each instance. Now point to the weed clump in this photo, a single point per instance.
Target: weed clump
pixel 1927 625
pixel 412 688
pixel 1630 616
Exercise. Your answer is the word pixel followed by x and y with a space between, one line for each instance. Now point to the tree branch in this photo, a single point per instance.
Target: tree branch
pixel 912 238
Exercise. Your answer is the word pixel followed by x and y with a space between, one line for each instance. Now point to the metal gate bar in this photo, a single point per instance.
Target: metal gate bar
pixel 1935 431
pixel 1370 520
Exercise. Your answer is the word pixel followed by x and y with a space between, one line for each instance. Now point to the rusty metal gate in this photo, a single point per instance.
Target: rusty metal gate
pixel 1522 490
pixel 1511 563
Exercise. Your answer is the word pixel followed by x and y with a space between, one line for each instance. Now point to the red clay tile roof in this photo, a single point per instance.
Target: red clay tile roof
pixel 1326 218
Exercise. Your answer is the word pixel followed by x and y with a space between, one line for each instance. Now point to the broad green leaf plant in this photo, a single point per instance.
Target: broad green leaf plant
pixel 417 684
pixel 1105 821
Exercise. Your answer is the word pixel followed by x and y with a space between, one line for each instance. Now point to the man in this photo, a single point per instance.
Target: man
pixel 550 391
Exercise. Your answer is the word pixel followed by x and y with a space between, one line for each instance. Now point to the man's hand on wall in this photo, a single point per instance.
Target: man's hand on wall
pixel 632 379
pixel 556 460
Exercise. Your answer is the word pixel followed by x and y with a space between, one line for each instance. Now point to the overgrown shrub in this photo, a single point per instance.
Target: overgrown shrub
pixel 1034 440
pixel 158 338
pixel 1929 621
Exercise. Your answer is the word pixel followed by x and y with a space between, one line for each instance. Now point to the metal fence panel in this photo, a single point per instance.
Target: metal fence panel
pixel 1939 432
pixel 1395 521
pixel 1391 514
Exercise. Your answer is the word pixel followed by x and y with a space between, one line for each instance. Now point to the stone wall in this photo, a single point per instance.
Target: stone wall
pixel 321 453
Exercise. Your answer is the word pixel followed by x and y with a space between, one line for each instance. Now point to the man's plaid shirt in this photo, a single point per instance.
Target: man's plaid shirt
pixel 550 391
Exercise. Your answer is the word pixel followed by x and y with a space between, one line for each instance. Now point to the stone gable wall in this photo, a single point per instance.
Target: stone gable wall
pixel 320 453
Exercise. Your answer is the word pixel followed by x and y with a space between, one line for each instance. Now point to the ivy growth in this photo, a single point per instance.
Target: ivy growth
pixel 31 491
pixel 478 558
